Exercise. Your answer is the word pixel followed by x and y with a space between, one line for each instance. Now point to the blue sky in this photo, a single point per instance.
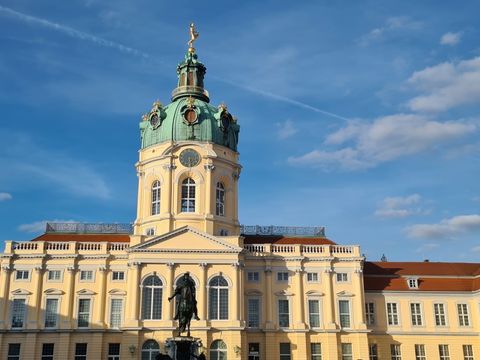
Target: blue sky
pixel 362 116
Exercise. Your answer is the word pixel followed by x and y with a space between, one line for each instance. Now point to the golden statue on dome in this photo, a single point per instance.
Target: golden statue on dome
pixel 193 36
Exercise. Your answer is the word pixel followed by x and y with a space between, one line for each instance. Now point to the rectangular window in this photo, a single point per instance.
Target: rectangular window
pixel 420 352
pixel 312 277
pixel 373 352
pixel 392 313
pixel 113 351
pixel 316 350
pixel 253 276
pixel 51 313
pixel 283 313
pixel 253 312
pixel 116 307
pixel 440 318
pixel 22 274
pixel 347 353
pixel 314 313
pixel 47 351
pixel 463 319
pixel 443 351
pixel 342 277
pixel 83 313
pixel 118 275
pixel 18 313
pixel 344 311
pixel 13 352
pixel 253 351
pixel 416 312
pixel 282 276
pixel 86 275
pixel 81 351
pixel 395 352
pixel 467 352
pixel 285 351
pixel 54 275
pixel 370 313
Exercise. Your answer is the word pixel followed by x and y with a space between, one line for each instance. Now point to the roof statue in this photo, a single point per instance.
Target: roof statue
pixel 193 37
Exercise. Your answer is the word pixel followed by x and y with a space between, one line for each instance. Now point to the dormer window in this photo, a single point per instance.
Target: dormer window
pixel 412 283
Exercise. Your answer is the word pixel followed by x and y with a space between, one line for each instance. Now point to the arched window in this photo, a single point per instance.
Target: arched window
pixel 156 197
pixel 150 350
pixel 220 199
pixel 218 299
pixel 152 298
pixel 188 195
pixel 218 350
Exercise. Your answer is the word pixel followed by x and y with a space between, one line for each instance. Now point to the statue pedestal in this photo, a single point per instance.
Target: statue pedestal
pixel 183 347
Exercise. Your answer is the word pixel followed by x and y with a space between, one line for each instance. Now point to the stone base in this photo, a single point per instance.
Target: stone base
pixel 183 347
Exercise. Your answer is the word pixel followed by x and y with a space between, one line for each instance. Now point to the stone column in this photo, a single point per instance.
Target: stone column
pixel 35 305
pixel 133 294
pixel 99 319
pixel 300 308
pixel 236 294
pixel 169 193
pixel 329 299
pixel 359 299
pixel 203 293
pixel 170 288
pixel 67 323
pixel 4 300
pixel 269 306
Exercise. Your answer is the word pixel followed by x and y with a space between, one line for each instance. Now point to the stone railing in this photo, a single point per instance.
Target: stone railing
pixel 58 247
pixel 282 230
pixel 302 250
pixel 88 228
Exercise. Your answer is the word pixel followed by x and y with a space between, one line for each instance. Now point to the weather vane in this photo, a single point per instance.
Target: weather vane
pixel 193 36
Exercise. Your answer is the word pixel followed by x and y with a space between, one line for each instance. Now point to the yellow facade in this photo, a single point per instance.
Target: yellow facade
pixel 300 300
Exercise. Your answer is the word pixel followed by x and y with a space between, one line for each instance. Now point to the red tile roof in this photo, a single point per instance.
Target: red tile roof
pixel 281 239
pixel 84 237
pixel 432 276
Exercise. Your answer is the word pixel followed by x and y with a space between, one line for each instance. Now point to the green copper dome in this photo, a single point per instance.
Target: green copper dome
pixel 189 116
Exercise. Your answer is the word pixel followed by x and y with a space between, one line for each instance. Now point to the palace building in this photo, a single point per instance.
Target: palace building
pixel 99 291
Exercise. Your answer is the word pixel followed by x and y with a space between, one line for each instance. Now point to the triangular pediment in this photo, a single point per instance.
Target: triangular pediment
pixel 186 239
pixel 86 292
pixel 117 292
pixel 54 292
pixel 345 294
pixel 21 292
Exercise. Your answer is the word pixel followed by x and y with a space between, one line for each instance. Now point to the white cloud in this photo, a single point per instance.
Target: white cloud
pixel 391 24
pixel 451 38
pixel 446 85
pixel 384 139
pixel 39 226
pixel 286 129
pixel 71 32
pixel 447 228
pixel 5 196
pixel 396 207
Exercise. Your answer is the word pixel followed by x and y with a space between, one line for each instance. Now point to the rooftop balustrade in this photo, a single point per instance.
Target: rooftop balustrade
pixel 67 248
pixel 302 250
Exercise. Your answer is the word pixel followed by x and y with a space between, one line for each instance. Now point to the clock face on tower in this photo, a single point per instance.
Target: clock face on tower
pixel 189 158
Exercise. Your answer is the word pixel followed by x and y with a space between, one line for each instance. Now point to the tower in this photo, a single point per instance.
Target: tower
pixel 188 161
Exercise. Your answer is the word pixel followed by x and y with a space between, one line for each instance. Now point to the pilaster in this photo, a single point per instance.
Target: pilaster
pixel 4 300
pixel 36 297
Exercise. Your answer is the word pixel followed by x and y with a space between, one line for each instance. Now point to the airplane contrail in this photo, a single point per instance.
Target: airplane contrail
pixel 132 51
pixel 72 32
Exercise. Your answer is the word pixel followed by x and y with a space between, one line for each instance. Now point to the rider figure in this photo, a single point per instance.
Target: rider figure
pixel 186 282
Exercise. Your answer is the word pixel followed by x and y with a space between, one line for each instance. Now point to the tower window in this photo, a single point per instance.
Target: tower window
pixel 156 198
pixel 220 199
pixel 188 195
